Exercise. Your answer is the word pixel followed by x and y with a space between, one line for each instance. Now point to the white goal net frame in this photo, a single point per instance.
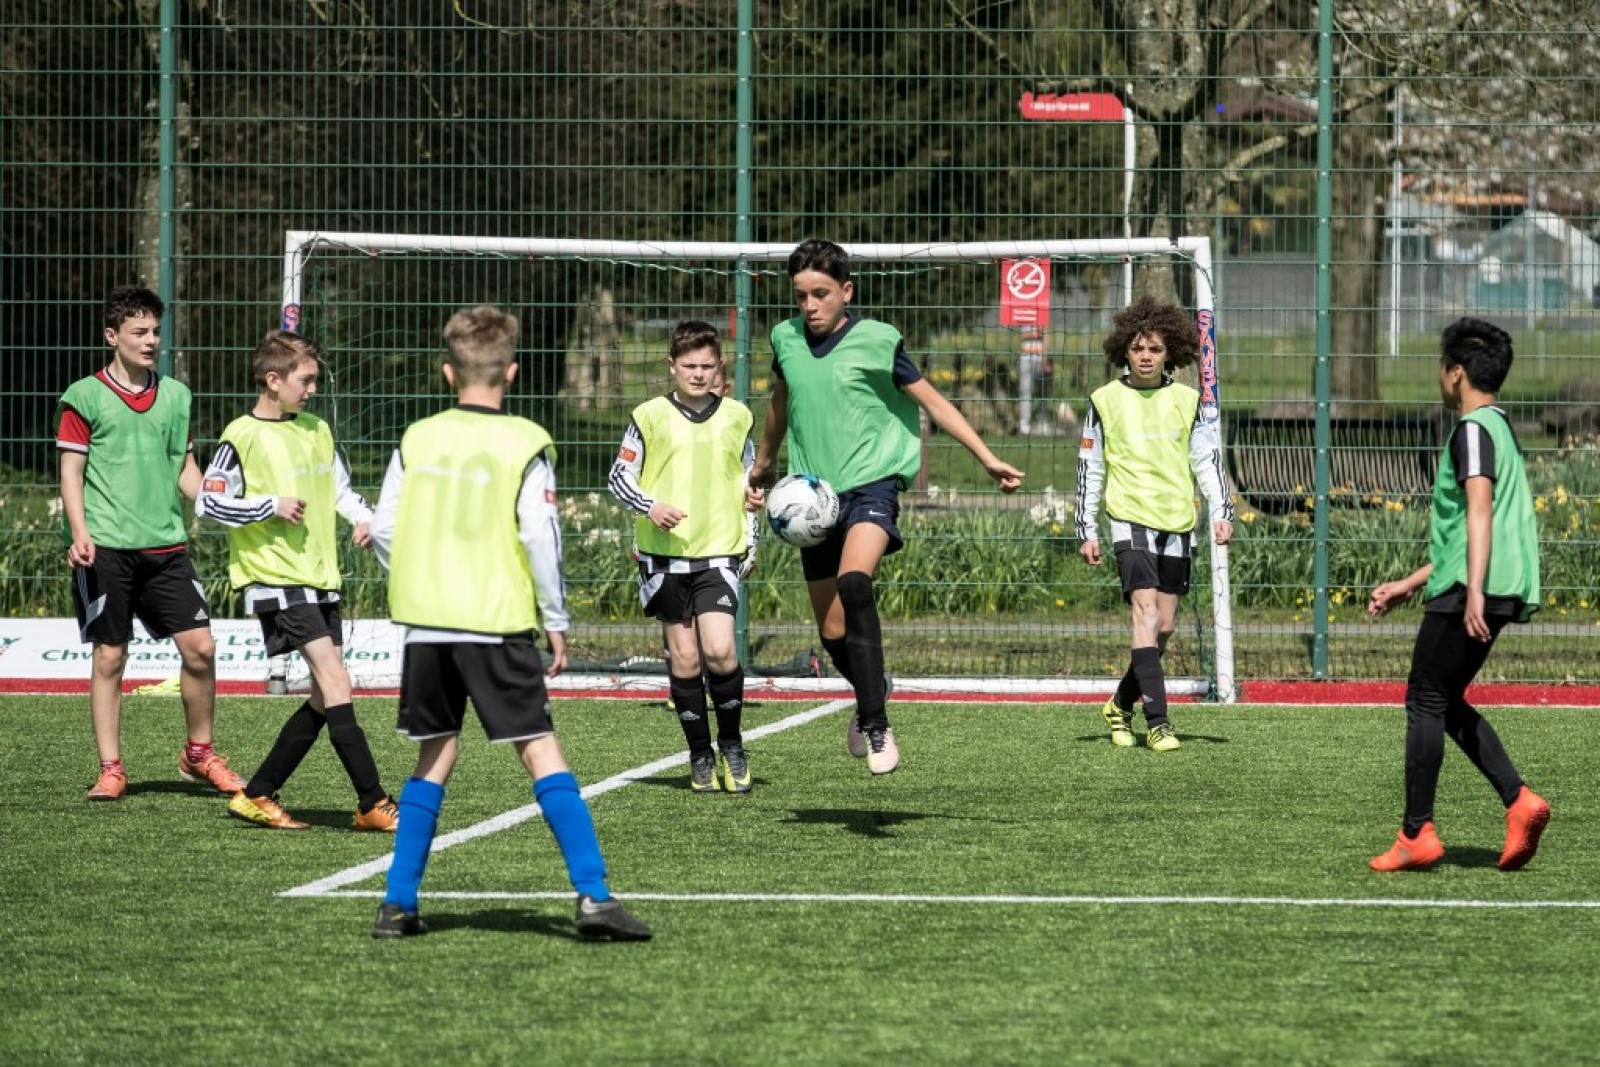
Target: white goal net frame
pixel 301 245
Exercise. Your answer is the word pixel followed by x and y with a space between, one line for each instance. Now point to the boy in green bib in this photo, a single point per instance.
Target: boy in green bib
pixel 126 455
pixel 276 482
pixel 846 396
pixel 1145 445
pixel 1482 574
pixel 681 467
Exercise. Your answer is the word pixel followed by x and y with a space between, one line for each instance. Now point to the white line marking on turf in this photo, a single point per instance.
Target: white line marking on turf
pixel 361 872
pixel 924 898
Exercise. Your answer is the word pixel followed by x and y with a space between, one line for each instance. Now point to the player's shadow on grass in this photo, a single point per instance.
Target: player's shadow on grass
pixel 1103 738
pixel 1470 857
pixel 865 823
pixel 342 819
pixel 681 781
pixel 504 921
pixel 177 788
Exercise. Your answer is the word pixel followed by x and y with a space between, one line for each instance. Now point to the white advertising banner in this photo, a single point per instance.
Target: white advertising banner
pixel 50 648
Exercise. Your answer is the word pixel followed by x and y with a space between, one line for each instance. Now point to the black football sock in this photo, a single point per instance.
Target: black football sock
pixel 863 636
pixel 294 741
pixel 350 745
pixel 838 652
pixel 727 696
pixel 1152 685
pixel 1127 690
pixel 689 704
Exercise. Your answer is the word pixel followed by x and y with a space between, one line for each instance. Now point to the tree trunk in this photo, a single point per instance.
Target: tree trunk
pixel 1360 182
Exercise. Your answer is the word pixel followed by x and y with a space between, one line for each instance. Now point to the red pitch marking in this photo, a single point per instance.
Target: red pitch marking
pixel 1490 694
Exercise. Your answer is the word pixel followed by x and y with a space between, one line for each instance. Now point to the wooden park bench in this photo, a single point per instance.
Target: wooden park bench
pixel 1272 460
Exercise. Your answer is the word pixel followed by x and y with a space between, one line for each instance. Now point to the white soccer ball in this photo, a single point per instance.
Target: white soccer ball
pixel 802 509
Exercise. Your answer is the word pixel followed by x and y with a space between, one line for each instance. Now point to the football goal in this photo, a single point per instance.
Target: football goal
pixel 989 595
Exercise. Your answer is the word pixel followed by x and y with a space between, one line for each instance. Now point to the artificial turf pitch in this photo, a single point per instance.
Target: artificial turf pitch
pixel 1072 902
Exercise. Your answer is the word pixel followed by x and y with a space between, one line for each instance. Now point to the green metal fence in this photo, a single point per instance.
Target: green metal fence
pixel 1366 173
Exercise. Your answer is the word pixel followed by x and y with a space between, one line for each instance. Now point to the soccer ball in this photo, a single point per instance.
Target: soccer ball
pixel 802 510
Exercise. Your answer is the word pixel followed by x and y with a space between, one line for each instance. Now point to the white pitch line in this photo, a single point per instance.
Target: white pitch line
pixel 924 898
pixel 505 821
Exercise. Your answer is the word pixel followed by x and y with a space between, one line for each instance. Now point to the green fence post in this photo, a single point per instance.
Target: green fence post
pixel 1323 434
pixel 744 154
pixel 167 178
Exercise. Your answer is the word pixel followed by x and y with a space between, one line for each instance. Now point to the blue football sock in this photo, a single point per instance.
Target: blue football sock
pixel 420 801
pixel 567 815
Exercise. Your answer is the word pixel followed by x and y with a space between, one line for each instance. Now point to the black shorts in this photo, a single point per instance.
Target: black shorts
pixel 160 588
pixel 683 597
pixel 877 503
pixel 505 682
pixel 1148 570
pixel 293 627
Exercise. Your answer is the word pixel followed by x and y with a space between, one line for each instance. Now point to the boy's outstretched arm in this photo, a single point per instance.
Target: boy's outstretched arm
pixel 1392 594
pixel 761 474
pixel 948 418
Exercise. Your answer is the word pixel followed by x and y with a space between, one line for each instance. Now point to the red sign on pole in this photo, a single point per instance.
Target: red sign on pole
pixel 1071 107
pixel 1025 292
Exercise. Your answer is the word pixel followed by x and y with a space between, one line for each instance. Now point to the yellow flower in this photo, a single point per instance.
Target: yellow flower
pixel 1060 603
pixel 1338 598
pixel 1583 603
pixel 1248 516
pixel 1552 601
pixel 1055 528
pixel 1538 503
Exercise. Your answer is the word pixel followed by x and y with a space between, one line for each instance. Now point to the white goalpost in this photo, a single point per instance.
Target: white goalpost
pixel 302 246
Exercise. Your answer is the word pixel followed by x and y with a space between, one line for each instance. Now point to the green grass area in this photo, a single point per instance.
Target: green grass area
pixel 152 930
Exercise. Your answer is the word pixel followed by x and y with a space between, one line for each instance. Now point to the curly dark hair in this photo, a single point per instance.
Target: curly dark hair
pixel 1167 321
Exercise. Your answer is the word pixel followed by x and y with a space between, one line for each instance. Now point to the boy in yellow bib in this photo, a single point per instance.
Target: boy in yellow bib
pixel 682 468
pixel 468 526
pixel 1145 445
pixel 276 482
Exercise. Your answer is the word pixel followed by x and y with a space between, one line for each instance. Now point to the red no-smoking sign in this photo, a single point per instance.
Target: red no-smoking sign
pixel 1025 292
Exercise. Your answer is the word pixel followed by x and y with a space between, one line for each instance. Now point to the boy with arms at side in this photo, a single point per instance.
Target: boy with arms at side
pixel 1482 574
pixel 283 555
pixel 467 525
pixel 126 454
pixel 1143 437
pixel 846 395
pixel 682 467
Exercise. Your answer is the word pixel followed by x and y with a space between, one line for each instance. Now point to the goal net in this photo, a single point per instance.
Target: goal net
pixel 989 595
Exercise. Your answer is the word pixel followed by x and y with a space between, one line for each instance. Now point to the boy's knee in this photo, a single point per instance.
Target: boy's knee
pixel 855 590
pixel 198 648
pixel 110 659
pixel 1424 701
pixel 721 659
pixel 685 662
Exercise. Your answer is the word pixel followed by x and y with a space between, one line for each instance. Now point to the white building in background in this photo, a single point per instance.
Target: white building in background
pixel 1564 264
